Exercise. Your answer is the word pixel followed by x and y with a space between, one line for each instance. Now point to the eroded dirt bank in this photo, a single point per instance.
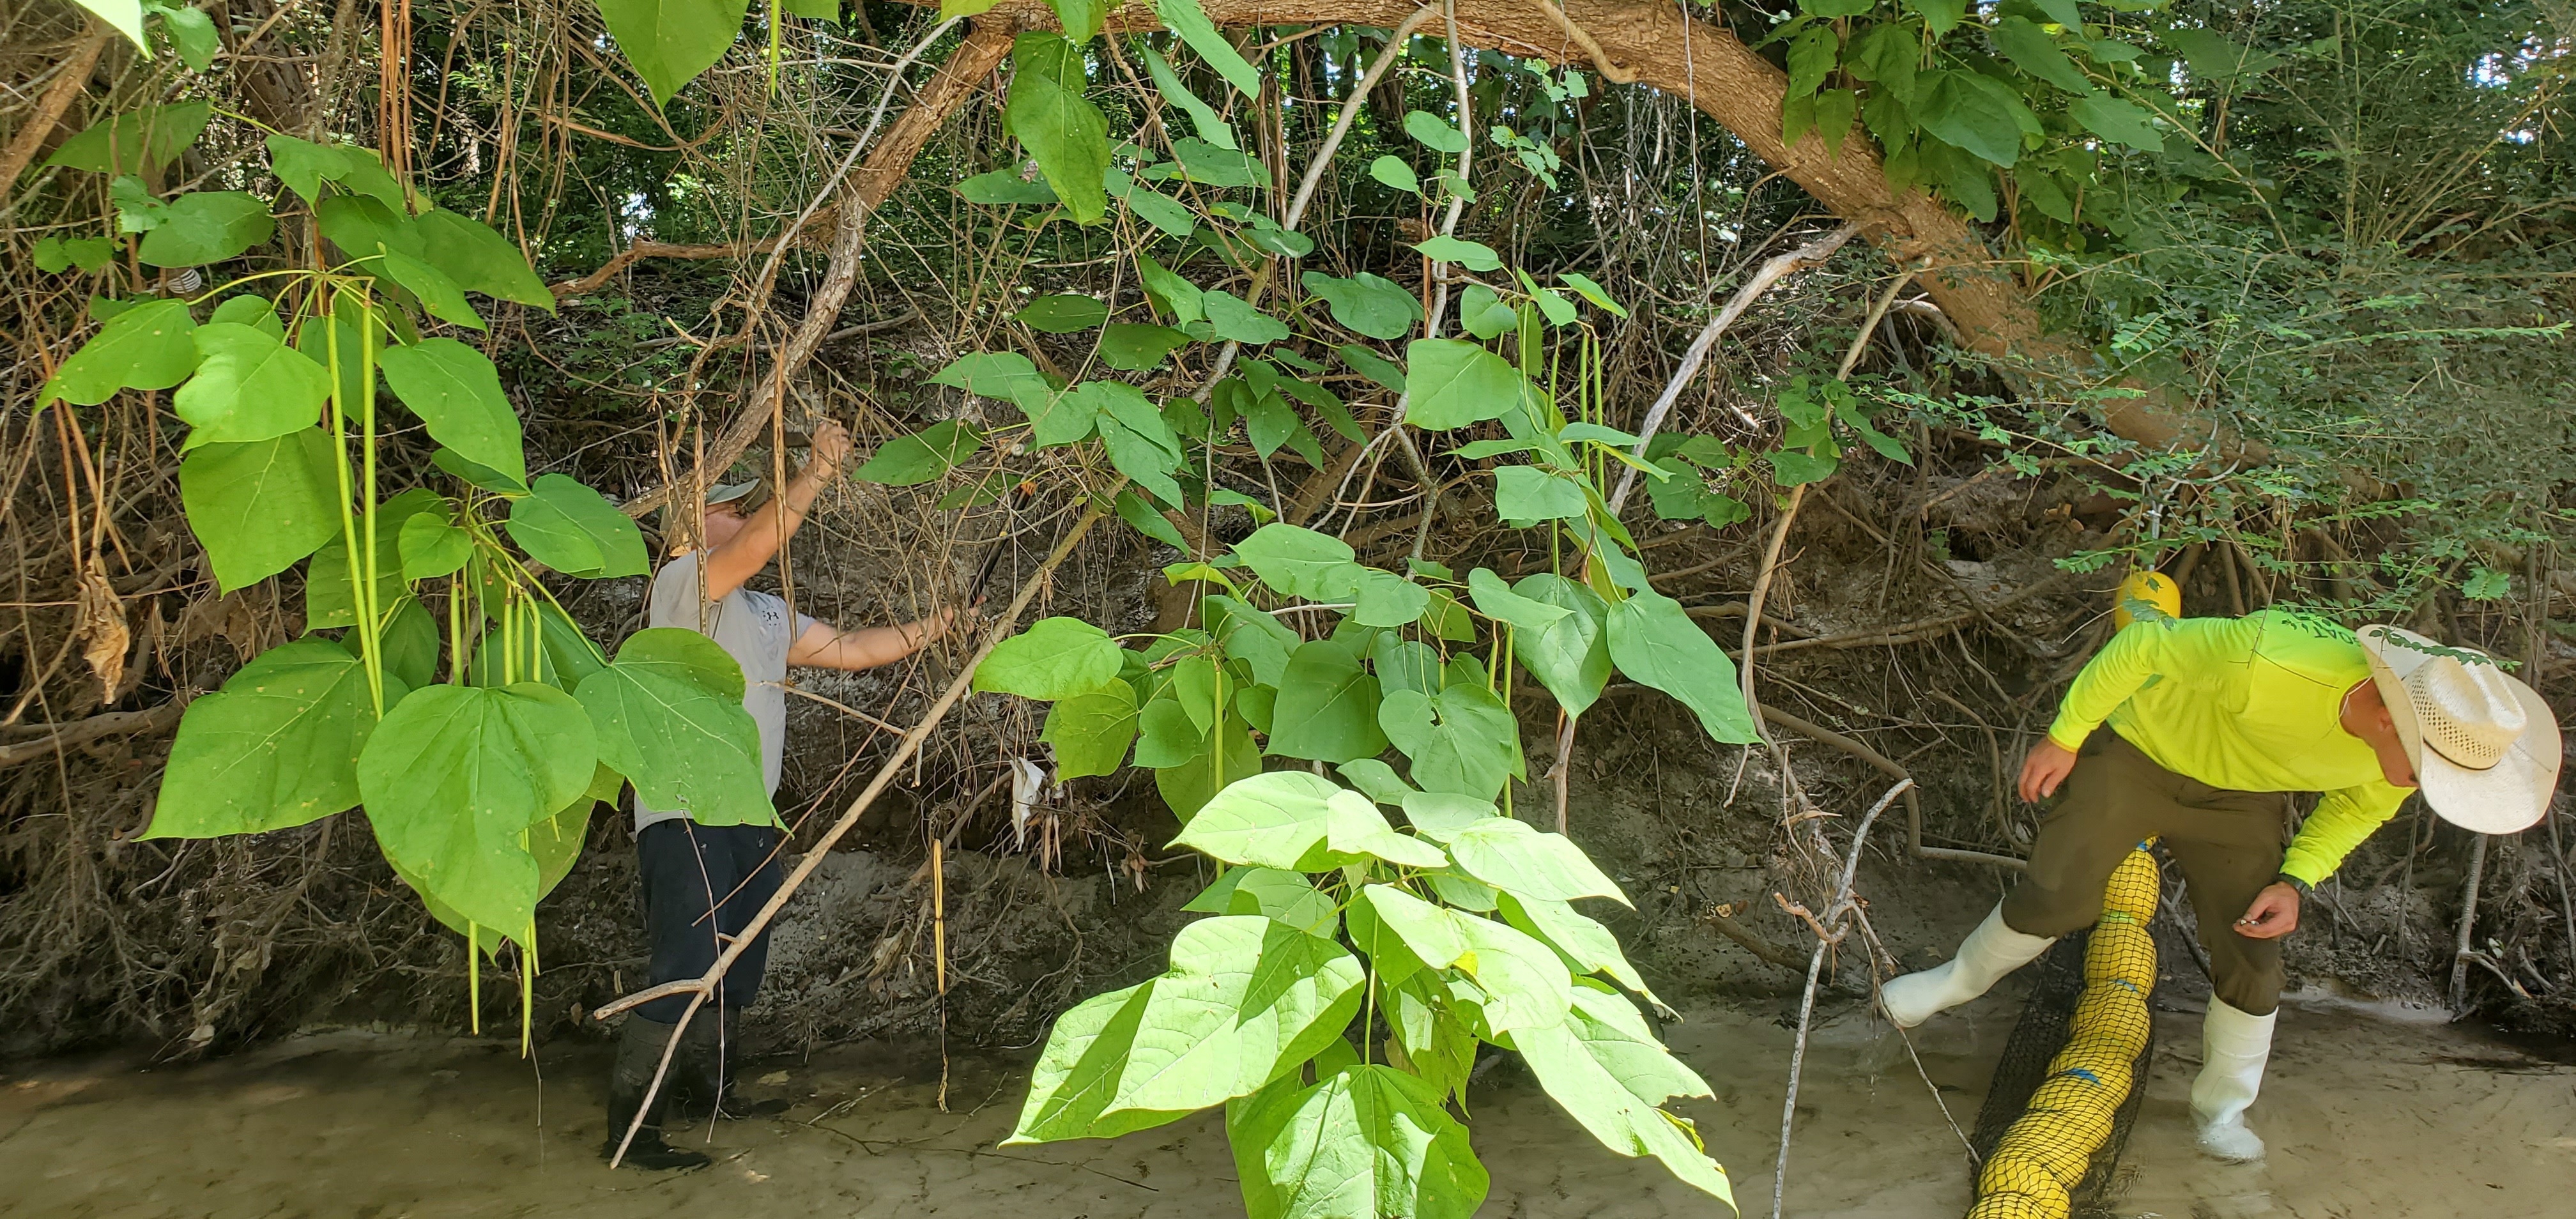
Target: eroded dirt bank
pixel 2366 1117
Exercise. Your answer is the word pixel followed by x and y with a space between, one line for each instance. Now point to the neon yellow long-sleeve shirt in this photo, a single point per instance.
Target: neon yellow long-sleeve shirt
pixel 2252 704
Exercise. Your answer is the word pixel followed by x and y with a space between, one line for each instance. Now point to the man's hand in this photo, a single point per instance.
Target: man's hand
pixel 825 453
pixel 2275 913
pixel 933 627
pixel 2047 766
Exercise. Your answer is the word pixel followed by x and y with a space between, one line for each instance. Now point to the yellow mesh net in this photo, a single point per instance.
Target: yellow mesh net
pixel 2049 1152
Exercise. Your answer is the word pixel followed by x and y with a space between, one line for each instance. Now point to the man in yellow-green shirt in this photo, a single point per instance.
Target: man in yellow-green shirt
pixel 2213 723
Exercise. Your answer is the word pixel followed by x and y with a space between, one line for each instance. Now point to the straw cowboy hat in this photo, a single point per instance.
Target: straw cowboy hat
pixel 2485 747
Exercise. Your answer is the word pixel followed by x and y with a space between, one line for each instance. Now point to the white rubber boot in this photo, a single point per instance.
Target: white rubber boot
pixel 2233 1049
pixel 1989 952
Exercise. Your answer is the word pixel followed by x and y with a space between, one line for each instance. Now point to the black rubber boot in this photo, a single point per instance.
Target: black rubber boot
pixel 639 1051
pixel 704 1081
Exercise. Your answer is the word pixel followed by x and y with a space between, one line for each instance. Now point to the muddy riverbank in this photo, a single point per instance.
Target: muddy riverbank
pixel 2367 1116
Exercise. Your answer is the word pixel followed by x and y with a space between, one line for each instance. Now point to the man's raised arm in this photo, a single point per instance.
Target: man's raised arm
pixel 742 556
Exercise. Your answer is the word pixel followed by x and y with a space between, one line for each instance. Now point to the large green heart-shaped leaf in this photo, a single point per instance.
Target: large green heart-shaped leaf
pixel 1234 319
pixel 1653 640
pixel 1091 732
pixel 1461 740
pixel 2033 51
pixel 146 347
pixel 554 843
pixel 130 143
pixel 1406 664
pixel 1299 822
pixel 1524 862
pixel 668 715
pixel 249 386
pixel 1452 383
pixel 1583 941
pixel 2118 121
pixel 1247 1000
pixel 1384 598
pixel 1570 656
pixel 1062 313
pixel 1300 562
pixel 444 298
pixel 576 531
pixel 1328 706
pixel 1519 983
pixel 207 226
pixel 1594 1064
pixel 457 392
pixel 1271 893
pixel 433 546
pixel 456 776
pixel 479 259
pixel 304 165
pixel 1252 636
pixel 1006 375
pixel 277 747
pixel 330 596
pixel 1973 112
pixel 1056 658
pixel 365 227
pixel 1130 347
pixel 1066 134
pixel 258 507
pixel 1526 495
pixel 1366 1140
pixel 1372 305
pixel 1211 126
pixel 1187 19
pixel 1227 755
pixel 909 461
pixel 1165 735
pixel 671 41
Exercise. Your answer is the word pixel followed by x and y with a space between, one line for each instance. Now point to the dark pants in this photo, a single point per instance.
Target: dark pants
pixel 2229 844
pixel 688 871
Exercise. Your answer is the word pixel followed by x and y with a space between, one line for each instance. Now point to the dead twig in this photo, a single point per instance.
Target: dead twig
pixel 1913 806
pixel 1779 267
pixel 867 186
pixel 81 732
pixel 1828 933
pixel 69 81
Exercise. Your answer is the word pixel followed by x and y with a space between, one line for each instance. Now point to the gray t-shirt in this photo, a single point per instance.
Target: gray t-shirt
pixel 754 628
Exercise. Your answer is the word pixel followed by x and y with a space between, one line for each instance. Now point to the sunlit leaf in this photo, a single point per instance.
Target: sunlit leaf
pixel 277 747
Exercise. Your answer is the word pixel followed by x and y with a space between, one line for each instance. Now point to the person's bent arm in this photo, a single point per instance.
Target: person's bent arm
pixel 2343 818
pixel 824 646
pixel 742 556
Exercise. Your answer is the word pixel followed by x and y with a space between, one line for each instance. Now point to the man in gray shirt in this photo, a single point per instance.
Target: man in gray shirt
pixel 702 884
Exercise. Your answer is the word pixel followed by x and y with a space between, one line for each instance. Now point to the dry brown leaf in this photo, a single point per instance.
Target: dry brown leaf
pixel 100 621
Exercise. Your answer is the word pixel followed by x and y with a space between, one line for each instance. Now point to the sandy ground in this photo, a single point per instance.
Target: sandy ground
pixel 2367 1117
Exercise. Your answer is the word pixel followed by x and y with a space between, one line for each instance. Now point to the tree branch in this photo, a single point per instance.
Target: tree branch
pixel 868 186
pixel 59 737
pixel 68 84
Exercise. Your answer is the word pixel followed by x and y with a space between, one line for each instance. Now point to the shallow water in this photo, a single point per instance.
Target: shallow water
pixel 2366 1117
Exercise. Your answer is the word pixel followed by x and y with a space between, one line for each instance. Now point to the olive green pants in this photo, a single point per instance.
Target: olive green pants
pixel 2228 842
